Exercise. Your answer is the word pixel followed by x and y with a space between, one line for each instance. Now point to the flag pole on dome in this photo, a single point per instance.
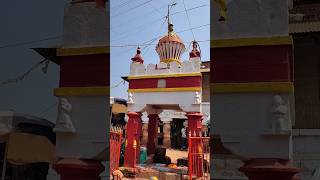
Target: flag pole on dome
pixel 168 15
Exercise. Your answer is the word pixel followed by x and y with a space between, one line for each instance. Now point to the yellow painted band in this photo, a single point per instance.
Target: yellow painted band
pixel 82 91
pixel 83 51
pixel 165 89
pixel 267 41
pixel 164 75
pixel 263 87
pixel 170 61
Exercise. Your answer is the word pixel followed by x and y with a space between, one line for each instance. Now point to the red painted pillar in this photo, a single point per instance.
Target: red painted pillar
pixel 132 151
pixel 269 168
pixel 152 133
pixel 195 126
pixel 78 169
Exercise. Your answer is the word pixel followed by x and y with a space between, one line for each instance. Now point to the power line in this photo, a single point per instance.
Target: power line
pixel 194 28
pixel 146 45
pixel 48 109
pixel 184 5
pixel 138 29
pixel 155 9
pixel 122 4
pixel 175 13
pixel 166 18
pixel 134 18
pixel 193 8
pixel 29 42
pixel 125 51
pixel 118 84
pixel 153 39
pixel 26 74
pixel 139 5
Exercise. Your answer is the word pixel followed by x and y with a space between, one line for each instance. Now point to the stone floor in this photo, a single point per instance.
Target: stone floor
pixel 147 171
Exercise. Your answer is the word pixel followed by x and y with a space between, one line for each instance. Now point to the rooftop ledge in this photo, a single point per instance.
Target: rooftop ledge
pixel 187 68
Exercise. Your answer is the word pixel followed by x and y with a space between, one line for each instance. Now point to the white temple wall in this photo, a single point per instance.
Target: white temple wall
pixel 188 103
pixel 137 69
pixel 250 18
pixel 254 135
pixel 85 25
pixel 87 118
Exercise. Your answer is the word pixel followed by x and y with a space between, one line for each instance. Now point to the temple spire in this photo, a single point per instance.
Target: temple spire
pixel 170 25
pixel 195 53
pixel 138 58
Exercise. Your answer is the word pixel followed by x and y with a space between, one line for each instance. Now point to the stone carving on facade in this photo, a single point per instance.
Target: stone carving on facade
pixel 206 118
pixel 64 122
pixel 197 98
pixel 130 98
pixel 281 122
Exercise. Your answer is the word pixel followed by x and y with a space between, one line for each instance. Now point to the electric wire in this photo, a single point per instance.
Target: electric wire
pixel 122 82
pixel 29 42
pixel 152 40
pixel 122 4
pixel 134 18
pixel 126 11
pixel 184 5
pixel 142 28
pixel 24 75
pixel 47 109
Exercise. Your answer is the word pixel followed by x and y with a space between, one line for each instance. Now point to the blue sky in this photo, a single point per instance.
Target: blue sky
pixel 136 22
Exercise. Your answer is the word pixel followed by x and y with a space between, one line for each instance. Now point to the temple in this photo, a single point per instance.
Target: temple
pixel 165 97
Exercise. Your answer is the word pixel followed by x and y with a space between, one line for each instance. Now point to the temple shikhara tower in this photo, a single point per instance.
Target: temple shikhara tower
pixel 82 122
pixel 252 94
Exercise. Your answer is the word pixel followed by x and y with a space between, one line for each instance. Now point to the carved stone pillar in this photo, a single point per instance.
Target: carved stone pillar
pixel 167 134
pixel 132 151
pixel 194 122
pixel 196 146
pixel 205 132
pixel 145 135
pixel 152 133
pixel 269 168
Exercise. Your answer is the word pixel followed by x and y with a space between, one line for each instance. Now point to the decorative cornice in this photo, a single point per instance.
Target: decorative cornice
pixel 166 89
pixel 170 61
pixel 164 76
